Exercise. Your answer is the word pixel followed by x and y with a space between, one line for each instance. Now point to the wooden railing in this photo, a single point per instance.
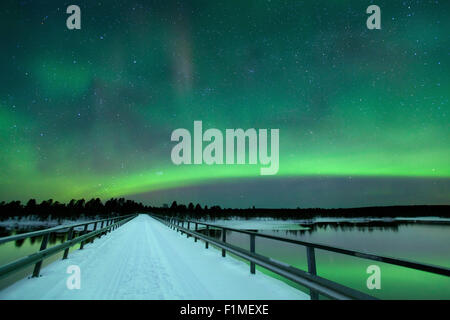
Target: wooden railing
pixel 76 233
pixel 316 284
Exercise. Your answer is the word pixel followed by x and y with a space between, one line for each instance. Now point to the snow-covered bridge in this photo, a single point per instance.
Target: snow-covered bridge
pixel 143 259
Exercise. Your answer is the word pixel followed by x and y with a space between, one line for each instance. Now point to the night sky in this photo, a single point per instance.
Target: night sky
pixel 363 114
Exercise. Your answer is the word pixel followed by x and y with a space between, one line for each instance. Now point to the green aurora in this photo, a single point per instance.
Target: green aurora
pixel 89 113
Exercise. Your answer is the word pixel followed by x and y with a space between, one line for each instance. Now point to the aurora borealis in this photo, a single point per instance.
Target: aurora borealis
pixel 89 113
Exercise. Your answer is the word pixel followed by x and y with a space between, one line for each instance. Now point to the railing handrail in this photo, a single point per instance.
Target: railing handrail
pixel 390 260
pixel 312 281
pixel 54 229
pixel 44 252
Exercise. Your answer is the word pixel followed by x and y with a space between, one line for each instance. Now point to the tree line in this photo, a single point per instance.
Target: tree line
pixel 120 206
pixel 73 209
pixel 216 212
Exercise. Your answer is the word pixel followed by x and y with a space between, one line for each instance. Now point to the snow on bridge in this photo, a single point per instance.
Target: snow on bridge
pixel 144 259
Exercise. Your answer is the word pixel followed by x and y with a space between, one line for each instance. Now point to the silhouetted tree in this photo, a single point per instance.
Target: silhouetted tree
pixel 114 206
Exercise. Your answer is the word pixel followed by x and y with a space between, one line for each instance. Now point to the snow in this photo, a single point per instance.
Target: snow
pixel 302 224
pixel 31 222
pixel 258 224
pixel 144 259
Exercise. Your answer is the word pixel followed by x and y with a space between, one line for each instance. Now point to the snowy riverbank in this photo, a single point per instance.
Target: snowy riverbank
pixel 302 224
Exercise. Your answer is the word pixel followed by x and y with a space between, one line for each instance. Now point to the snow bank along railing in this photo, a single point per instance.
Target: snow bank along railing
pixel 84 236
pixel 316 284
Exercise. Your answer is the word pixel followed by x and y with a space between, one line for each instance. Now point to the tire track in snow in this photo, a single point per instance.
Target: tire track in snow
pixel 180 274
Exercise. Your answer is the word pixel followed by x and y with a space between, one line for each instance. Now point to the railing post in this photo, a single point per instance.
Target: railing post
pixel 95 228
pixel 101 227
pixel 196 229
pixel 69 237
pixel 37 266
pixel 311 259
pixel 252 250
pixel 189 228
pixel 224 239
pixel 207 234
pixel 84 232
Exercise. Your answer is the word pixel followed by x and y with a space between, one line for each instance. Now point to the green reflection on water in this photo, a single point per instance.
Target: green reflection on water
pixel 416 242
pixel 14 250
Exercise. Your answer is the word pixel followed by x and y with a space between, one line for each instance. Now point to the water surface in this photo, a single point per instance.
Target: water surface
pixel 426 242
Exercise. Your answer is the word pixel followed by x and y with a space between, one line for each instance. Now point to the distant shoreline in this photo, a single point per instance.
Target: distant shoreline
pixel 94 208
pixel 412 211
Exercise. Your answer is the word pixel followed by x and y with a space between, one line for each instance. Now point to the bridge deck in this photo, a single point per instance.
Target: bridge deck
pixel 146 260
